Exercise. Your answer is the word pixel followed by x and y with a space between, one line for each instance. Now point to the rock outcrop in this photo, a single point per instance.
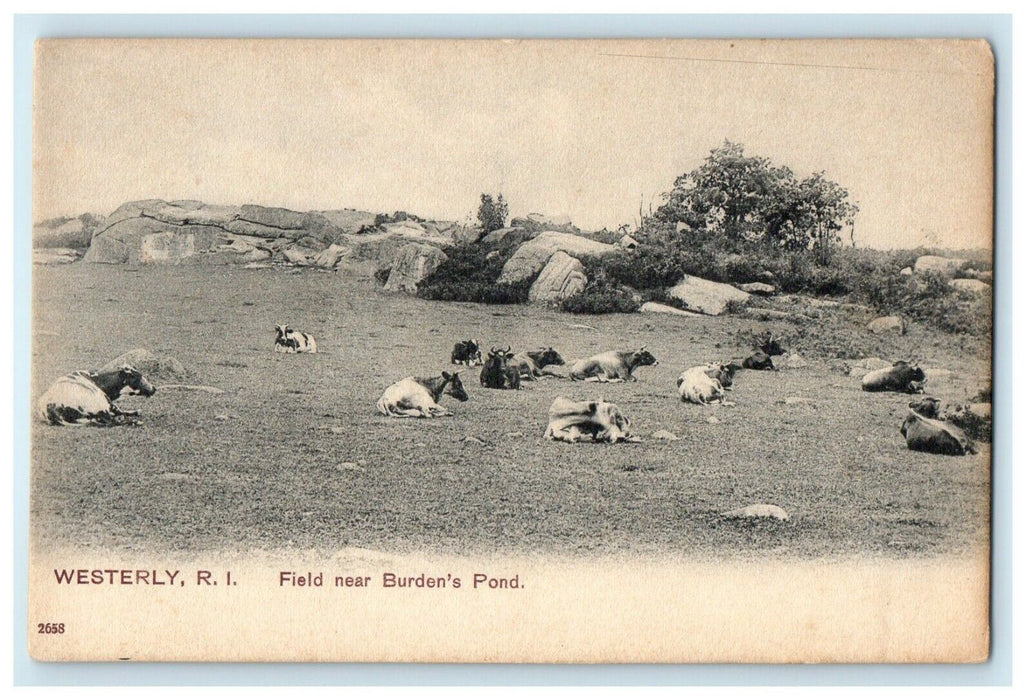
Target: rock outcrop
pixel 937 263
pixel 65 233
pixel 706 297
pixel 151 365
pixel 562 277
pixel 887 324
pixel 532 256
pixel 969 285
pixel 412 263
pixel 652 307
pixel 759 288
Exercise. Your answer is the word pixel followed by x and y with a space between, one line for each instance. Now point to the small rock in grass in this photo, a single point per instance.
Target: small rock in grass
pixel 713 420
pixel 350 467
pixel 757 510
pixel 515 434
pixel 665 435
pixel 475 440
pixel 222 416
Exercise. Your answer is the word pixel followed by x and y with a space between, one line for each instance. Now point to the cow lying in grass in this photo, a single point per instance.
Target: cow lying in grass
pixel 697 385
pixel 587 421
pixel 290 340
pixel 467 352
pixel 498 372
pixel 929 435
pixel 533 363
pixel 418 397
pixel 612 366
pixel 902 377
pixel 88 398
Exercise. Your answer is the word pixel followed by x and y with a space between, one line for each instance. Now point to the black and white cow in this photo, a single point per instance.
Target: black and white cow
pixel 759 360
pixel 88 398
pixel 588 421
pixel 290 340
pixel 612 366
pixel 467 352
pixel 419 397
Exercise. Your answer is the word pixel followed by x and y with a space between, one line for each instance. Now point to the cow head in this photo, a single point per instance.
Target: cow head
pixel 545 356
pixel 281 333
pixel 726 373
pixel 454 386
pixel 133 382
pixel 643 358
pixel 770 345
pixel 928 407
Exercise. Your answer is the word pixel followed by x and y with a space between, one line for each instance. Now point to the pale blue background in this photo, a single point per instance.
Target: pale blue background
pixel 996 28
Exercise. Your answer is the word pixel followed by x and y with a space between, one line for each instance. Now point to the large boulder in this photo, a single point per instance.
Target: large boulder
pixel 887 324
pixel 759 288
pixel 973 286
pixel 652 307
pixel 330 257
pixel 412 264
pixel 508 235
pixel 937 263
pixel 531 257
pixel 706 297
pixel 562 277
pixel 541 222
pixel 153 366
pixel 159 232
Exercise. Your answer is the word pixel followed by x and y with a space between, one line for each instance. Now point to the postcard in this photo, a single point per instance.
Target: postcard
pixel 545 351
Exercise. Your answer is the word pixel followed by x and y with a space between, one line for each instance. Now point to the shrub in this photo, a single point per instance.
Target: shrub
pixel 602 298
pixel 471 273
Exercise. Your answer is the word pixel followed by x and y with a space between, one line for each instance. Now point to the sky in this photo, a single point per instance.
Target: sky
pixel 594 130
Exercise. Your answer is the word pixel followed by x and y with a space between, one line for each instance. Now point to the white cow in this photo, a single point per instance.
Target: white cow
pixel 695 385
pixel 418 397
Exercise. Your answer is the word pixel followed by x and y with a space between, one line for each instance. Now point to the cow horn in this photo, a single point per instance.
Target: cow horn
pixel 492 351
pixel 508 348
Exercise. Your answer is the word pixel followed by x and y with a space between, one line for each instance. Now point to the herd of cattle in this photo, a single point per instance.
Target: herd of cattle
pixel 88 398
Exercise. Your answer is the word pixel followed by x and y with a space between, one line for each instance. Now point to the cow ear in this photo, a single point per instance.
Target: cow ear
pixel 446 375
pixel 592 406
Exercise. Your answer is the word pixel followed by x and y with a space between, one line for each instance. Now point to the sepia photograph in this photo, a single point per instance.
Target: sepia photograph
pixel 539 351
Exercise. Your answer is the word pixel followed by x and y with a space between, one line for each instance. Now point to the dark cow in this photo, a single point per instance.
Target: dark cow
pixel 759 360
pixel 769 345
pixel 532 363
pixel 290 340
pixel 930 435
pixel 612 366
pixel 902 377
pixel 88 398
pixel 498 373
pixel 419 397
pixel 467 352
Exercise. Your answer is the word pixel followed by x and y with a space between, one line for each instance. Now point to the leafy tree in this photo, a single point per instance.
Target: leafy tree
pixel 493 213
pixel 747 198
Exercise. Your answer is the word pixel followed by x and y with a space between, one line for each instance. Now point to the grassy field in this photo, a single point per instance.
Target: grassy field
pixel 267 473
